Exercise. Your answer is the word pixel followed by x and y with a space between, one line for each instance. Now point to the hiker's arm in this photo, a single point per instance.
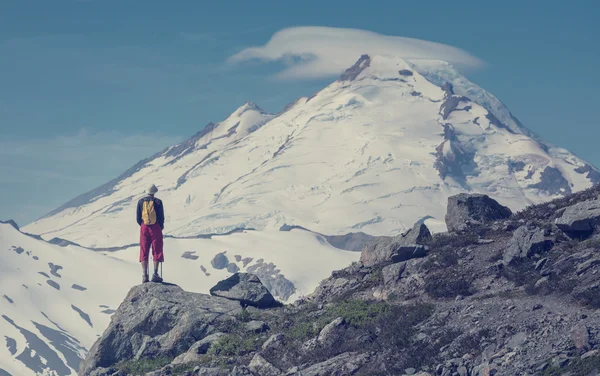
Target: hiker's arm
pixel 160 216
pixel 139 214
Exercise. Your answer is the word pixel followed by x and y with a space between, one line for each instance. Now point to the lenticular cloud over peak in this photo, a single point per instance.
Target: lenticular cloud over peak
pixel 316 52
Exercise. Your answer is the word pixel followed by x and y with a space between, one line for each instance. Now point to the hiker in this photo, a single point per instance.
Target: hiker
pixel 151 218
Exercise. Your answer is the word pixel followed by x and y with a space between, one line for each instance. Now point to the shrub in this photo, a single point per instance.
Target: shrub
pixel 234 345
pixel 358 312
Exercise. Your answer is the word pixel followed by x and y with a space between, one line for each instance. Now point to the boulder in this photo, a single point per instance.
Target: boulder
pixel 581 217
pixel 220 261
pixel 274 342
pixel 328 333
pixel 525 243
pixel 261 367
pixel 418 234
pixel 245 288
pixel 466 209
pixel 399 248
pixel 158 320
pixel 199 348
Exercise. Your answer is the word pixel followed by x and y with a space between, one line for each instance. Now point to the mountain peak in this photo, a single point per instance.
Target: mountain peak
pixel 380 66
pixel 249 106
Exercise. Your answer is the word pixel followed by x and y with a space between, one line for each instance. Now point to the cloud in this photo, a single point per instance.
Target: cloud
pixel 38 175
pixel 317 52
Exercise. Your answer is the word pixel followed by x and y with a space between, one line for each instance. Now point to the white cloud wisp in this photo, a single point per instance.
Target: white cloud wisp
pixel 316 52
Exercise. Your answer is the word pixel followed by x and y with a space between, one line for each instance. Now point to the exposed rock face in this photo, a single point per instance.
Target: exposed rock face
pixel 12 223
pixel 158 320
pixel 553 182
pixel 581 217
pixel 525 243
pixel 399 248
pixel 465 209
pixel 233 268
pixel 220 261
pixel 245 288
pixel 351 73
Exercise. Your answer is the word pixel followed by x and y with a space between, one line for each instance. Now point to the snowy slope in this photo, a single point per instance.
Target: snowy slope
pixel 375 151
pixel 55 301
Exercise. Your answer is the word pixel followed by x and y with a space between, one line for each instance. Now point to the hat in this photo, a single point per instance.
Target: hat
pixel 152 190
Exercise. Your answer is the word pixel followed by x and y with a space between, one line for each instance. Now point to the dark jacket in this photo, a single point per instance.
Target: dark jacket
pixel 158 207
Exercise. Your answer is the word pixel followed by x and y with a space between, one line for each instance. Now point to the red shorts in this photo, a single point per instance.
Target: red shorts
pixel 151 235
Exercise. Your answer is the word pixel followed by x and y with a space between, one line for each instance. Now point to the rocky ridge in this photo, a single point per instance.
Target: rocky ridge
pixel 502 294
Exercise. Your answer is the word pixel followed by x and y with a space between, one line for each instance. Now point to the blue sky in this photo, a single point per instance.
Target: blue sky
pixel 89 87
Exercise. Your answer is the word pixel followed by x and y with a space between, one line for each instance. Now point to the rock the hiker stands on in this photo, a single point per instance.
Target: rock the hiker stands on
pixel 158 320
pixel 465 209
pixel 247 289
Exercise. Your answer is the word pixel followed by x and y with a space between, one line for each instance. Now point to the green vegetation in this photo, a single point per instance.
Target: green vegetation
pixel 235 345
pixel 358 313
pixel 142 366
pixel 576 367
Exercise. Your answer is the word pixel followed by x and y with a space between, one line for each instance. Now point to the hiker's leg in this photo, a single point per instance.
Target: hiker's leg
pixel 157 246
pixel 144 248
pixel 157 250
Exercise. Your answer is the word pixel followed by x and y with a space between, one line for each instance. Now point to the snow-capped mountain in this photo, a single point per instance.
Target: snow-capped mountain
pixel 375 151
pixel 56 300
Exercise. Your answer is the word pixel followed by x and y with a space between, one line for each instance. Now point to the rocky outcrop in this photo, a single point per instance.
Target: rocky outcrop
pixel 512 297
pixel 399 248
pixel 158 320
pixel 467 209
pixel 581 217
pixel 245 288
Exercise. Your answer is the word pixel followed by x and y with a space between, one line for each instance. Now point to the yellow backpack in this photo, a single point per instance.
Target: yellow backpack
pixel 148 212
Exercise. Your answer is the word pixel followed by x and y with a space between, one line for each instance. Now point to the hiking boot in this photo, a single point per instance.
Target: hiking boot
pixel 145 278
pixel 156 278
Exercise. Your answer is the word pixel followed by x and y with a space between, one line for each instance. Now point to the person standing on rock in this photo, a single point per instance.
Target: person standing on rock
pixel 151 218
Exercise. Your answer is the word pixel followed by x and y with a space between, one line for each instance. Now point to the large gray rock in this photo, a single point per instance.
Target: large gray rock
pixel 581 217
pixel 466 209
pixel 158 320
pixel 328 334
pixel 261 367
pixel 525 243
pixel 393 272
pixel 399 248
pixel 245 288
